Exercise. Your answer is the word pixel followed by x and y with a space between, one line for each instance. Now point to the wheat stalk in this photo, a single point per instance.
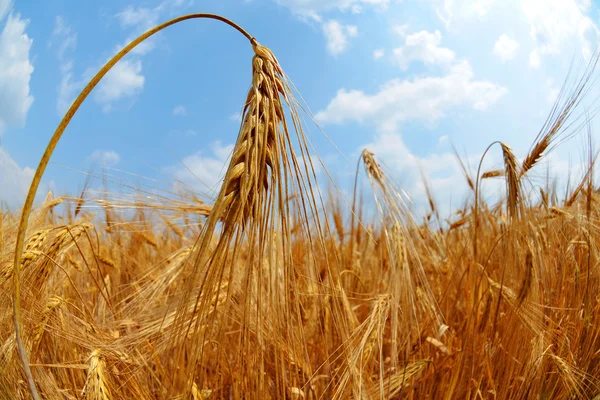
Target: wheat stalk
pixel 96 382
pixel 528 279
pixel 492 174
pixel 512 181
pixel 53 303
pixel 400 379
pixel 371 166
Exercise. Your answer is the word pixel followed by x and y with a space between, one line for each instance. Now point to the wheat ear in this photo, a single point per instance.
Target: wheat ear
pixel 255 159
pixel 371 166
pixel 96 387
pixel 558 120
pixel 527 280
pixel 492 174
pixel 512 181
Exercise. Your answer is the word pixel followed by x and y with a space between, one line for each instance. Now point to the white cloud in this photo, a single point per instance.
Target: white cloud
pixel 135 16
pixel 453 12
pixel 180 111
pixel 202 171
pixel 422 46
pixel 379 53
pixel 67 88
pixel 145 18
pixel 14 180
pixel 5 6
pixel 313 8
pixel 424 98
pixel 356 9
pixel 505 48
pixel 63 31
pixel 68 84
pixel 15 71
pixel 401 29
pixel 108 158
pixel 123 80
pixel 141 19
pixel 337 36
pixel 235 117
pixel 557 24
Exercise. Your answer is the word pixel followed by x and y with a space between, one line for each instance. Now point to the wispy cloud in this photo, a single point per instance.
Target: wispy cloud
pixel 422 46
pixel 180 111
pixel 203 170
pixel 505 48
pixel 5 6
pixel 338 36
pixel 15 71
pixel 108 158
pixel 65 40
pixel 315 8
pixel 555 23
pixel 123 80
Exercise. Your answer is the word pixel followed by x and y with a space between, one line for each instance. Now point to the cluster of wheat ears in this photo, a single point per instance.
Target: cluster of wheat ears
pixel 272 292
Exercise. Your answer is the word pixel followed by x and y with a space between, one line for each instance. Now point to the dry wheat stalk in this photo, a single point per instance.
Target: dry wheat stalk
pixel 460 222
pixel 106 260
pixel 174 227
pixel 528 279
pixel 371 166
pixel 44 247
pixel 512 181
pixel 576 382
pixel 96 382
pixel 51 306
pixel 400 379
pixel 492 174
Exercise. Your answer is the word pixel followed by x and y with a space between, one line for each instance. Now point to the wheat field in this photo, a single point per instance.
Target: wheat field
pixel 275 290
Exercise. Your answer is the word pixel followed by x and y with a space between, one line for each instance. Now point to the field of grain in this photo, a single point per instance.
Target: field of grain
pixel 278 291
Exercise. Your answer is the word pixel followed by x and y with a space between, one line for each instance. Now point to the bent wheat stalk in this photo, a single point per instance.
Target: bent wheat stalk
pixel 35 182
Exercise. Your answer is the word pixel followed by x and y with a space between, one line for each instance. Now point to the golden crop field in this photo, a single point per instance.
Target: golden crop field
pixel 278 291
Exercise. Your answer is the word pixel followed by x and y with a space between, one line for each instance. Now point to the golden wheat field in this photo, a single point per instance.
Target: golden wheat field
pixel 278 291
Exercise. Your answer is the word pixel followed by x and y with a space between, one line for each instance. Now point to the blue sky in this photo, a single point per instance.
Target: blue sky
pixel 404 78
